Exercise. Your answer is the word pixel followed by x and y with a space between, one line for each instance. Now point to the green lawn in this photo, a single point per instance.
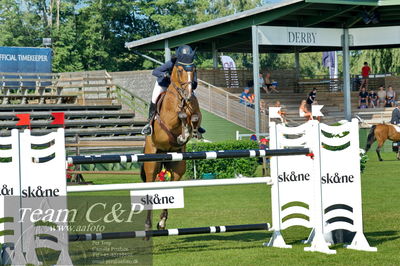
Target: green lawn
pixel 219 129
pixel 252 204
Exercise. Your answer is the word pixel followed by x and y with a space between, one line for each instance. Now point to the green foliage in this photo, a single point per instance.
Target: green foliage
pixel 90 34
pixel 363 160
pixel 224 168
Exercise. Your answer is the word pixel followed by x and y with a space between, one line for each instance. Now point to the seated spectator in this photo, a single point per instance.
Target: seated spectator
pixel 373 98
pixel 246 97
pixel 263 107
pixel 270 85
pixel 261 82
pixel 390 97
pixel 281 112
pixel 381 96
pixel 363 98
pixel 303 111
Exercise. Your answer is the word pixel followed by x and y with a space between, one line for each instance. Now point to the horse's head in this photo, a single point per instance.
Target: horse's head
pixel 183 78
pixel 183 74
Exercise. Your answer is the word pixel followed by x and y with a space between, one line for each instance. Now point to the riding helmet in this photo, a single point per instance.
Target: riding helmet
pixel 185 54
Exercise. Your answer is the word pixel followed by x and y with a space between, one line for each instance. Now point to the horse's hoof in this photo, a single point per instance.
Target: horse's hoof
pixel 146 238
pixel 159 227
pixel 380 159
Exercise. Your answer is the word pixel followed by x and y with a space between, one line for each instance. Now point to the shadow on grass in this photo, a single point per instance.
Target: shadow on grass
pixel 378 238
pixel 243 237
pixel 188 244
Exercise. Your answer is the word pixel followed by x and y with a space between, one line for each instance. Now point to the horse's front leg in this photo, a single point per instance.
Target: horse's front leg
pixel 195 120
pixel 398 155
pixel 183 138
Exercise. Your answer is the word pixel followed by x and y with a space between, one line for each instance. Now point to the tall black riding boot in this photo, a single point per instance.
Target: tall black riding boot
pixel 147 129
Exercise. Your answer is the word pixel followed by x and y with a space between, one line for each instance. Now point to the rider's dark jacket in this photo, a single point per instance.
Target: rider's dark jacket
pixel 164 71
pixel 395 116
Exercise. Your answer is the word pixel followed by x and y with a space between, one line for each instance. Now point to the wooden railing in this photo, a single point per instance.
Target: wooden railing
pixel 132 101
pixel 228 106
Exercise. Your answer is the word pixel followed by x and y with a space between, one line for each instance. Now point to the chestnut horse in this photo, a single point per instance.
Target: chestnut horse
pixel 381 133
pixel 176 122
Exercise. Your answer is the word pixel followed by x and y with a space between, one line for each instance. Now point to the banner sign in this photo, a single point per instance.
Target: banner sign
pixel 271 35
pixel 375 36
pixel 25 60
pixel 158 199
pixel 231 75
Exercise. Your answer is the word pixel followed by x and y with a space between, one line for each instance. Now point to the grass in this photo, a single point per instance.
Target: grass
pixel 219 129
pixel 231 205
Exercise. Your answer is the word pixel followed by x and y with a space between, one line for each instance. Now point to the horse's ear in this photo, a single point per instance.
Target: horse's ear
pixel 193 52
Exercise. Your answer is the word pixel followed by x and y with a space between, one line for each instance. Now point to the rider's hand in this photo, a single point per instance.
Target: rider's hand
pixel 166 75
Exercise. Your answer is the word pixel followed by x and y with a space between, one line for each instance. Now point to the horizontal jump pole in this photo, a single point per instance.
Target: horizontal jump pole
pixel 170 232
pixel 172 184
pixel 174 156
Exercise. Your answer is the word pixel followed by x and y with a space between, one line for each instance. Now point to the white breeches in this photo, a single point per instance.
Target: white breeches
pixel 156 92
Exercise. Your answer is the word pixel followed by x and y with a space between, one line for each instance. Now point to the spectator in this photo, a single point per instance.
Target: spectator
pixel 261 81
pixel 246 97
pixel 253 137
pixel 363 98
pixel 390 97
pixel 303 111
pixel 270 84
pixel 381 96
pixel 311 97
pixel 365 71
pixel 373 98
pixel 263 107
pixel 396 115
pixel 281 112
pixel 264 160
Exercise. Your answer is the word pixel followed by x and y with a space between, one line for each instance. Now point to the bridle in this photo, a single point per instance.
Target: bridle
pixel 182 88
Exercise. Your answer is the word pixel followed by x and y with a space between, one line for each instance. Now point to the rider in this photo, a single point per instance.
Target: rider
pixel 184 54
pixel 396 115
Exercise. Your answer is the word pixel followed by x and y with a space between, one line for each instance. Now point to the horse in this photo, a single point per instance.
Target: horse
pixel 381 133
pixel 177 120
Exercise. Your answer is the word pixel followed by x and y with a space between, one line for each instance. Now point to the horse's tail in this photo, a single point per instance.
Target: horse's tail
pixel 142 173
pixel 370 138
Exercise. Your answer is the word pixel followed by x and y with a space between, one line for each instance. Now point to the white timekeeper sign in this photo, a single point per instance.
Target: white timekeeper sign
pixel 158 199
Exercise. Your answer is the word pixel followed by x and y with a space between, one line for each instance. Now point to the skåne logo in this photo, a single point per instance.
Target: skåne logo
pixel 337 179
pixel 148 199
pixel 292 177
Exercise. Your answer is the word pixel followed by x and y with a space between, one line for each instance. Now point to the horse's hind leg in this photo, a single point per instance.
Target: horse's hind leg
pixel 162 224
pixel 378 149
pixel 177 171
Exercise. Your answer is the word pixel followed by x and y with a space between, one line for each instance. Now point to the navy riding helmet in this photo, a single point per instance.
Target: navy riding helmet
pixel 185 55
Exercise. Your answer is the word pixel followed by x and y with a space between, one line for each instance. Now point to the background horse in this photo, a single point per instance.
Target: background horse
pixel 381 133
pixel 176 121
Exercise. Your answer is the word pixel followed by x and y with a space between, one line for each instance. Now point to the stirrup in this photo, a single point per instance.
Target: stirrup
pixel 147 130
